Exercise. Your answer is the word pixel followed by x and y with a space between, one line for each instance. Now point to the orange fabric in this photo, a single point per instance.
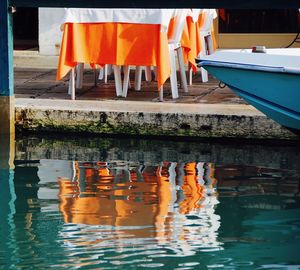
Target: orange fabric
pixel 186 43
pixel 114 43
pixel 195 42
pixel 213 36
pixel 98 202
pixel 201 19
pixel 192 190
pixel 171 27
pixel 189 41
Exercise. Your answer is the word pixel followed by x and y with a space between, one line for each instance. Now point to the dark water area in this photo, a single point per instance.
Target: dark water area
pixel 128 203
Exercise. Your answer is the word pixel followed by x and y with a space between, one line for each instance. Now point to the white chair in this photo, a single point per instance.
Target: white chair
pixel 138 76
pixel 76 78
pixel 206 41
pixel 174 46
pixel 104 72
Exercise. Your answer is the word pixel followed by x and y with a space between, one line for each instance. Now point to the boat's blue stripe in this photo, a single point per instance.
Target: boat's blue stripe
pixel 250 67
pixel 257 98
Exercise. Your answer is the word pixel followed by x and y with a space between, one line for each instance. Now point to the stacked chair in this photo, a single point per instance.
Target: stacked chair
pixel 174 47
pixel 206 36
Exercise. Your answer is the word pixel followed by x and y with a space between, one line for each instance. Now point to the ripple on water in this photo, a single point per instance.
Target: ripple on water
pixel 125 214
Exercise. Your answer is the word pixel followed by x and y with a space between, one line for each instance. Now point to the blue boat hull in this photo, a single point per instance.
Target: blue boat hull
pixel 276 94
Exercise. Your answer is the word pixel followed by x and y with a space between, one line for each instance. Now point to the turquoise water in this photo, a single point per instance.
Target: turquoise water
pixel 105 203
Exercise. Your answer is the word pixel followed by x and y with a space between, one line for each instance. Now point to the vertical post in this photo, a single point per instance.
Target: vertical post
pixel 7 125
pixel 7 151
pixel 7 224
pixel 7 196
pixel 7 103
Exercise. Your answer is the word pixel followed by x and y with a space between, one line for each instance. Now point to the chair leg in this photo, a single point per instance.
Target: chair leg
pixel 108 69
pixel 210 44
pixel 95 77
pixel 138 78
pixel 71 90
pixel 148 74
pixel 182 70
pixel 161 94
pixel 79 77
pixel 106 72
pixel 70 83
pixel 125 80
pixel 173 77
pixel 190 76
pixel 204 74
pixel 118 80
pixel 129 84
pixel 155 73
pixel 101 73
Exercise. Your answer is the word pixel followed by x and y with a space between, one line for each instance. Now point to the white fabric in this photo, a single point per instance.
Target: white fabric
pixel 140 16
pixel 214 13
pixel 194 13
pixel 211 14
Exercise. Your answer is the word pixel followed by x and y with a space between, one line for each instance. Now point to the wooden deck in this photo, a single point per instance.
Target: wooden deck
pixel 41 83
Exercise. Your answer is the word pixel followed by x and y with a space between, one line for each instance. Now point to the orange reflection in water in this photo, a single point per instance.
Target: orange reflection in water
pixel 192 190
pixel 142 196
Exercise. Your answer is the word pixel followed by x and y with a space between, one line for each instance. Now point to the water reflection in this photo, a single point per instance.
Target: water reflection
pixel 171 204
pixel 142 204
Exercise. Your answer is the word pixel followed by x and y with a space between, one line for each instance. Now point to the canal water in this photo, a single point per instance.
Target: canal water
pixel 111 203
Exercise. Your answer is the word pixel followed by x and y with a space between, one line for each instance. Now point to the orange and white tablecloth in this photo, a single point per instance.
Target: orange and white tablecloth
pixel 191 39
pixel 116 36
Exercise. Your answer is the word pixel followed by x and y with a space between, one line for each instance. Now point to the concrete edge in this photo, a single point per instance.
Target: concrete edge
pixel 32 59
pixel 148 118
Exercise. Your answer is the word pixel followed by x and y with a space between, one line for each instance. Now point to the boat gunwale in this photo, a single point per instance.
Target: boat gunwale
pixel 233 65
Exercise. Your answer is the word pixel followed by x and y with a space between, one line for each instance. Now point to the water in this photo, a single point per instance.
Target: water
pixel 96 203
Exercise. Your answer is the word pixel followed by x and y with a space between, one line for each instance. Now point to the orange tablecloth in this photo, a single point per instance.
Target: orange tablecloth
pixel 117 44
pixel 191 41
pixel 127 44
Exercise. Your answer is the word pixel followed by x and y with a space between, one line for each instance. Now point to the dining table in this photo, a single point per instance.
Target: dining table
pixel 123 37
pixel 120 37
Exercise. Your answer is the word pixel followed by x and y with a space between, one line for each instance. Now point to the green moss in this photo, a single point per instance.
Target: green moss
pixel 106 127
pixel 103 128
pixel 120 123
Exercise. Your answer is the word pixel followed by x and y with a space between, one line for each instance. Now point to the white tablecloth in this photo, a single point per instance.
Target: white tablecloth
pixel 141 16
